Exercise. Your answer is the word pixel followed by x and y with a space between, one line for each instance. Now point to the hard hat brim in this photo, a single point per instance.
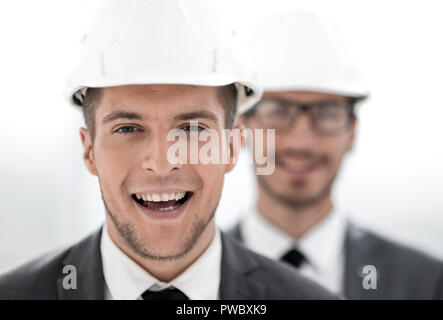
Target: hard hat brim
pixel 249 93
pixel 357 93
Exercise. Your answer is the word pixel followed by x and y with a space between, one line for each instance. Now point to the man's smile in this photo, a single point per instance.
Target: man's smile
pixel 163 205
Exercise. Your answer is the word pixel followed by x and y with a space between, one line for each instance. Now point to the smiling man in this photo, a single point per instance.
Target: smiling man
pixel 151 68
pixel 158 212
pixel 311 90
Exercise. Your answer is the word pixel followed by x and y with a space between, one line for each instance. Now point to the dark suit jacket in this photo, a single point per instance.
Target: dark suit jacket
pixel 402 272
pixel 244 275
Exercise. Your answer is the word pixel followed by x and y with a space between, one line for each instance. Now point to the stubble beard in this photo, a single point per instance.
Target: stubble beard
pixel 296 202
pixel 128 232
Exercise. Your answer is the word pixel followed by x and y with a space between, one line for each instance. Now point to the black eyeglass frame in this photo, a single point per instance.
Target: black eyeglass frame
pixel 307 107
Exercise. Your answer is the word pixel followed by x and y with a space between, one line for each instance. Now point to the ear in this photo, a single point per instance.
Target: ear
pixel 88 154
pixel 236 143
pixel 352 131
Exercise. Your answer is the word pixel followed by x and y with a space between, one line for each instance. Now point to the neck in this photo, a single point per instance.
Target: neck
pixel 294 221
pixel 167 270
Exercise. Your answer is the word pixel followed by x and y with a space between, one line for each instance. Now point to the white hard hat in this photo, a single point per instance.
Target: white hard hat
pixel 162 42
pixel 299 51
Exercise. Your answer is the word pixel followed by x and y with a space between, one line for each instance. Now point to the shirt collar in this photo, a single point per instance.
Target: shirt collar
pixel 324 243
pixel 126 280
pixel 321 244
pixel 263 237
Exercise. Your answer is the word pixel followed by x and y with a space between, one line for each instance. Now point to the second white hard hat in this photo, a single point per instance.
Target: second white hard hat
pixel 162 42
pixel 299 51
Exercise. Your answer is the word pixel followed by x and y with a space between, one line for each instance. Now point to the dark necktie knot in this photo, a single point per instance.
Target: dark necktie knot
pixel 294 257
pixel 170 293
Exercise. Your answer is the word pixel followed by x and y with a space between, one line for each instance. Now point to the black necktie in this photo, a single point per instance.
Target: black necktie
pixel 294 257
pixel 170 293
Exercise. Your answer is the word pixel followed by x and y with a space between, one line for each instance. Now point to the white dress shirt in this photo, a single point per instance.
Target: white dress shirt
pixel 126 280
pixel 322 246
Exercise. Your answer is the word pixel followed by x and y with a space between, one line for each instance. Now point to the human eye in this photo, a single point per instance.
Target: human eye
pixel 273 108
pixel 127 129
pixel 327 112
pixel 331 111
pixel 282 110
pixel 193 127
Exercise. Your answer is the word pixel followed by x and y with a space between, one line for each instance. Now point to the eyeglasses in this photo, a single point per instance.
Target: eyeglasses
pixel 326 117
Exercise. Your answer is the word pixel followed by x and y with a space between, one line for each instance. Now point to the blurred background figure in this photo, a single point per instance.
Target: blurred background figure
pixel 311 90
pixel 392 181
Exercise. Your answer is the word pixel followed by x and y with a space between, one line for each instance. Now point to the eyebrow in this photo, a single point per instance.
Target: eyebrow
pixel 203 114
pixel 121 115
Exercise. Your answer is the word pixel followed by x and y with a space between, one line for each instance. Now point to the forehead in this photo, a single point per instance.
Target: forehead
pixel 303 96
pixel 159 99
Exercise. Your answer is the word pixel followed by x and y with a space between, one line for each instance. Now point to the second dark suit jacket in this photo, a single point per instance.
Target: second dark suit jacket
pixel 244 275
pixel 402 272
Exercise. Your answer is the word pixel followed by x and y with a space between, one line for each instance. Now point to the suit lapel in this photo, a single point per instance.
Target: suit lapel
pixel 236 233
pixel 359 251
pixel 236 269
pixel 236 279
pixel 85 257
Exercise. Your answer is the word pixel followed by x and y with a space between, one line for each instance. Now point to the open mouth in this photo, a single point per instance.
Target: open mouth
pixel 162 202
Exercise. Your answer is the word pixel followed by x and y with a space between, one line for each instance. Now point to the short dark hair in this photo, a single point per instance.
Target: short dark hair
pixel 90 103
pixel 226 94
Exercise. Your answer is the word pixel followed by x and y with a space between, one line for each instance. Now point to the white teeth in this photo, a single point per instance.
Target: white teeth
pixel 156 197
pixel 165 197
pixel 168 208
pixel 179 195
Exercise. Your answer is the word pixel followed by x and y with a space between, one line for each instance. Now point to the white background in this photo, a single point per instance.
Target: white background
pixel 392 182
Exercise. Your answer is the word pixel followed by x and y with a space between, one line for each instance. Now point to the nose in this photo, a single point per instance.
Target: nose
pixel 301 133
pixel 155 156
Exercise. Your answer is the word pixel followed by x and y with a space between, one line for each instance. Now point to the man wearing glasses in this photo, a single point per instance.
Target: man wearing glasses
pixel 310 98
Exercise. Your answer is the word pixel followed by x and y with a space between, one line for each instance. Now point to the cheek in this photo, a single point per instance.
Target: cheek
pixel 335 150
pixel 212 177
pixel 120 150
pixel 113 164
